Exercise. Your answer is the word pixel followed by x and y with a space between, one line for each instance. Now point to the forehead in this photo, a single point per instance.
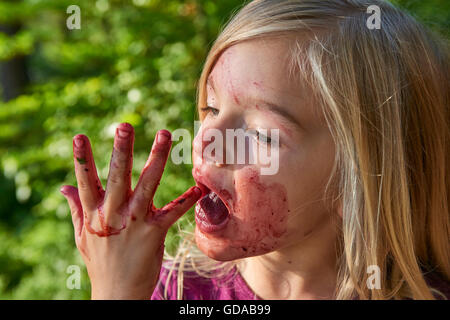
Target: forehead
pixel 256 65
pixel 260 70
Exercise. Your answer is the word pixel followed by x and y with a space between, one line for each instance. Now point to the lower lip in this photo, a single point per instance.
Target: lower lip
pixel 210 216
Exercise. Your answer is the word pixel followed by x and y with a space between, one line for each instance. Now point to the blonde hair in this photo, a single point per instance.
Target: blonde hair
pixel 385 96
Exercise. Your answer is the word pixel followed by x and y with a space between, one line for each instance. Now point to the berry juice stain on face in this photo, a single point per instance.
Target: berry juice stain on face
pixel 257 219
pixel 227 76
pixel 262 205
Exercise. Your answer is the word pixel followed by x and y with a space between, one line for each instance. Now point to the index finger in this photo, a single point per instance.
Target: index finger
pixel 172 211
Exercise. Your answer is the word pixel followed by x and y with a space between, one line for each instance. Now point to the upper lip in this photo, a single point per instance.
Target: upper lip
pixel 203 182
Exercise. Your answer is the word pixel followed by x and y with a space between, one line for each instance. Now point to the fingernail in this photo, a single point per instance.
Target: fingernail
pixel 124 130
pixel 163 136
pixel 79 141
pixel 63 191
pixel 123 133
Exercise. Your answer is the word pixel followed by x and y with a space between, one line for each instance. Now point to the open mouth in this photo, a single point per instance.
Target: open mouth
pixel 211 213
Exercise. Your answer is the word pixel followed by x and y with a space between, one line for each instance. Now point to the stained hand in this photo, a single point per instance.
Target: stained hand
pixel 118 231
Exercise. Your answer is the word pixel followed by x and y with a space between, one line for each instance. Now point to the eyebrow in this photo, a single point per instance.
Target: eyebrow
pixel 271 107
pixel 279 111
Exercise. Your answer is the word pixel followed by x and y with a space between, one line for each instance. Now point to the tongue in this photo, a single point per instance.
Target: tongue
pixel 215 210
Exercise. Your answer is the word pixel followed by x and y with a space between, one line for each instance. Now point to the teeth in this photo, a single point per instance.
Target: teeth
pixel 201 213
pixel 213 196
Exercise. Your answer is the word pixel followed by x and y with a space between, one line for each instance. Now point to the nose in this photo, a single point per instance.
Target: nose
pixel 210 146
pixel 221 146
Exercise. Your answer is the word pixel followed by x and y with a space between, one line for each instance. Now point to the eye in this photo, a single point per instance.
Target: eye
pixel 263 138
pixel 208 109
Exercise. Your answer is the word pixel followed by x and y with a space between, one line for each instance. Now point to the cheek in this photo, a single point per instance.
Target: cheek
pixel 258 221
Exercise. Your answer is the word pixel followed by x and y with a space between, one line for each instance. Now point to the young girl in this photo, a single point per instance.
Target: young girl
pixel 359 206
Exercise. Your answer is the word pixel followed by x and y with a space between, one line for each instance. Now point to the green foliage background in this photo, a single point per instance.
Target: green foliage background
pixel 132 61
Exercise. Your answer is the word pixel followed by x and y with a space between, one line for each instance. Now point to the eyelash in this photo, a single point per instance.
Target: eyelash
pixel 208 109
pixel 265 139
pixel 261 137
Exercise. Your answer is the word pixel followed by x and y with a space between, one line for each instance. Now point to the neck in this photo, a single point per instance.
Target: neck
pixel 303 271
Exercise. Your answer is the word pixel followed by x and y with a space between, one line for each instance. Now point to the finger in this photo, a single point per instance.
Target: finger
pixel 151 174
pixel 171 212
pixel 76 209
pixel 90 189
pixel 118 186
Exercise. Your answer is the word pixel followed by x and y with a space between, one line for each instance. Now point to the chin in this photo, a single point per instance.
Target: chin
pixel 216 248
pixel 223 249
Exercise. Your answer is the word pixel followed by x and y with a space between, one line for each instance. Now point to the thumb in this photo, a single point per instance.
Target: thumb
pixel 72 197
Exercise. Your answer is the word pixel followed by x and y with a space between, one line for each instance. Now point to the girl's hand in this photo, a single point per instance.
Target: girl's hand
pixel 118 231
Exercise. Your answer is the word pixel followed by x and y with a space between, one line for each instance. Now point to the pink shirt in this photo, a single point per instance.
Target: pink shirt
pixel 229 287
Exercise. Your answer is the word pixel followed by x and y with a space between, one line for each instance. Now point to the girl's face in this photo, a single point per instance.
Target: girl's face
pixel 249 88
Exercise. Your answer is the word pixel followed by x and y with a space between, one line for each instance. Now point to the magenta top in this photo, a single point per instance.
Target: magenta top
pixel 234 287
pixel 196 287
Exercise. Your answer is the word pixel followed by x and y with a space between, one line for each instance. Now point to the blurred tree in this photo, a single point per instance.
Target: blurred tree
pixel 433 13
pixel 136 61
pixel 13 72
pixel 131 61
